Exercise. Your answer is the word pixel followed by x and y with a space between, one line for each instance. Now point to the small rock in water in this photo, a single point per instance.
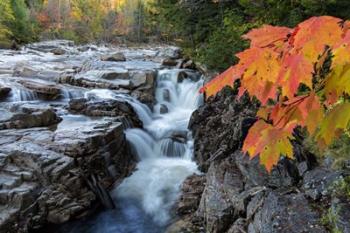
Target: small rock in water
pixel 166 95
pixel 4 91
pixel 169 62
pixel 116 57
pixel 163 109
pixel 58 51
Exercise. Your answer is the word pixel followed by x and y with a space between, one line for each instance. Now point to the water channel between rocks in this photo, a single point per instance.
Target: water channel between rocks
pixel 144 201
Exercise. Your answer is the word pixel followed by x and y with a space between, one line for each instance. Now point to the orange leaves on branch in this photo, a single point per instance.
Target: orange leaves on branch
pixel 268 142
pixel 335 122
pixel 314 34
pixel 268 35
pixel 295 69
pixel 225 79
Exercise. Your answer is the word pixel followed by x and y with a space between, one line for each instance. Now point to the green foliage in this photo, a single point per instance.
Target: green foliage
pixel 329 220
pixel 24 29
pixel 6 17
pixel 217 53
pixel 210 31
pixel 339 151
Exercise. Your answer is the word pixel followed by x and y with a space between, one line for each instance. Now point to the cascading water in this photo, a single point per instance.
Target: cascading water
pixel 164 147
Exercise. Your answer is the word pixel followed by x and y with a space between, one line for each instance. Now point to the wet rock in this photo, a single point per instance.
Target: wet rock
pixel 166 95
pixel 4 91
pixel 20 117
pixel 169 62
pixel 163 109
pixel 188 74
pixel 140 83
pixel 48 46
pixel 189 65
pixel 317 182
pixel 220 126
pixel 39 167
pixel 58 51
pixel 24 71
pixel 110 108
pixel 180 136
pixel 286 213
pixel 192 190
pixel 115 74
pixel 116 57
pixel 44 90
pixel 171 52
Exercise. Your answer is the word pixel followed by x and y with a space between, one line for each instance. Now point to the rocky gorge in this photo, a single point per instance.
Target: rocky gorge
pixel 97 139
pixel 64 113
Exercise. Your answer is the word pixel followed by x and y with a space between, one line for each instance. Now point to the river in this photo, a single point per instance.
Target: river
pixel 144 201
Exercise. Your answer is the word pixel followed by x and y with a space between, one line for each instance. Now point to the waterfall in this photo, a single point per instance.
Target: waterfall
pixel 164 153
pixel 164 147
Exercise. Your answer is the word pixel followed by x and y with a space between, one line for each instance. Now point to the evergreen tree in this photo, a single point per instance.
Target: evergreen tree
pixel 6 17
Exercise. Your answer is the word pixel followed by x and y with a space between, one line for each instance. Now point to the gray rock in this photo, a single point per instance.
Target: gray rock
pixel 317 182
pixel 116 57
pixel 110 108
pixel 24 116
pixel 224 183
pixel 220 126
pixel 286 213
pixel 45 90
pixel 340 209
pixel 239 226
pixel 39 167
pixel 192 189
pixel 24 71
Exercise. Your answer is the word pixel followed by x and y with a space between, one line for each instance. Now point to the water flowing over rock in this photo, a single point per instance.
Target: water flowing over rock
pixel 71 130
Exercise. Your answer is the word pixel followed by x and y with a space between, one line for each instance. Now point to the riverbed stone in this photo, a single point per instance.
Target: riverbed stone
pixel 27 116
pixel 45 90
pixel 58 51
pixel 110 108
pixel 4 91
pixel 115 57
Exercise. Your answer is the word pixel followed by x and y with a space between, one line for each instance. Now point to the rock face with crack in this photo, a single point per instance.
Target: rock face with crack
pixel 237 195
pixel 40 167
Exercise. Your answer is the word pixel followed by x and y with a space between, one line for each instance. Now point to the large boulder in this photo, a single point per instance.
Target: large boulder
pixel 286 213
pixel 50 177
pixel 220 126
pixel 27 116
pixel 110 108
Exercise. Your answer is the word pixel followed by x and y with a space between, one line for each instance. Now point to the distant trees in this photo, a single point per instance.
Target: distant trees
pixel 24 21
pixel 210 31
pixel 6 16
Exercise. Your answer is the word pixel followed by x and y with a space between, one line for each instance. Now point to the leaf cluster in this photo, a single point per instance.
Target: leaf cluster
pixel 301 80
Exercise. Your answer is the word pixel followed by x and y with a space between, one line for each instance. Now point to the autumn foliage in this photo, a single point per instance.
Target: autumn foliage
pixel 301 76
